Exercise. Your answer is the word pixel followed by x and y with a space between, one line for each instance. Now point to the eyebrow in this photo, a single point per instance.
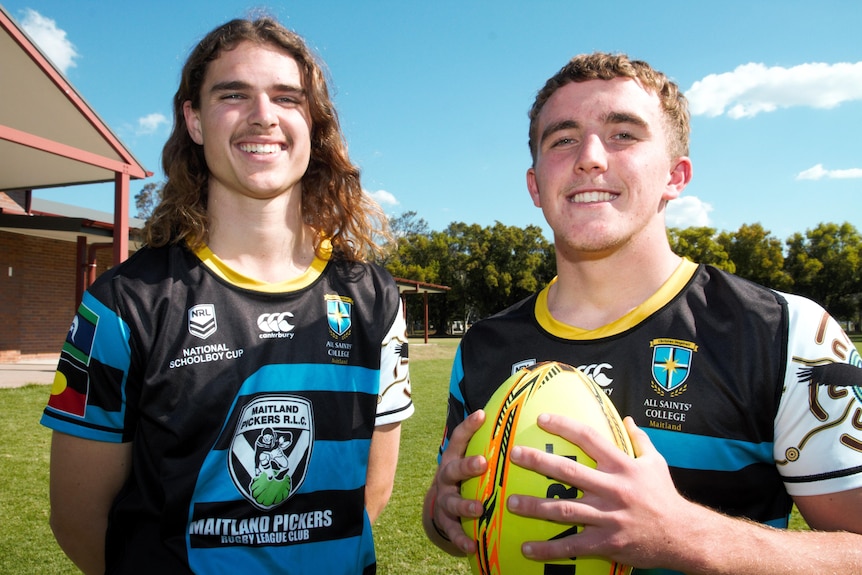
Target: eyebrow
pixel 609 118
pixel 558 127
pixel 231 85
pixel 625 118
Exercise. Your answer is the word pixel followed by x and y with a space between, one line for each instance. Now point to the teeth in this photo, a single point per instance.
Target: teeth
pixel 260 148
pixel 590 197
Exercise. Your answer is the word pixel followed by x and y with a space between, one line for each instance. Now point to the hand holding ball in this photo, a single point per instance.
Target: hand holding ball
pixel 511 414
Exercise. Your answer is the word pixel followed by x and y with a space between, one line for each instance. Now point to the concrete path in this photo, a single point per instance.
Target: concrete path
pixel 25 372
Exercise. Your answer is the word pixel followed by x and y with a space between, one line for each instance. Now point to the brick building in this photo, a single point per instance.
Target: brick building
pixel 50 137
pixel 42 273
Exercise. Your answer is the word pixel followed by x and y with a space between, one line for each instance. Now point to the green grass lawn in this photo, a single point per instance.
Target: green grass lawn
pixel 27 545
pixel 402 547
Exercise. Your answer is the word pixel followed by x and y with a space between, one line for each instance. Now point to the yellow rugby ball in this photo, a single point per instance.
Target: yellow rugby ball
pixel 511 413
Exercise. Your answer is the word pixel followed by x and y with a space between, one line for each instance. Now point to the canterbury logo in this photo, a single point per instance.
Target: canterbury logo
pixel 275 322
pixel 598 372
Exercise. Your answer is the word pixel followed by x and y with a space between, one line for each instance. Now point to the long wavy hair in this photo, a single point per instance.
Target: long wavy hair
pixel 333 202
pixel 603 66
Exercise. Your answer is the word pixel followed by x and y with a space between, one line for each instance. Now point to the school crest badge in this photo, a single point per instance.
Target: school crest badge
pixel 338 314
pixel 671 365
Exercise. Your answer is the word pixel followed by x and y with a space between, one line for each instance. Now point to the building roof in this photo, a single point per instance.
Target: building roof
pixel 406 286
pixel 59 221
pixel 50 136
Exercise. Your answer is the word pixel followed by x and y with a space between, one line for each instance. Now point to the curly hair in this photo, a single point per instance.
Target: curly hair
pixel 603 66
pixel 333 202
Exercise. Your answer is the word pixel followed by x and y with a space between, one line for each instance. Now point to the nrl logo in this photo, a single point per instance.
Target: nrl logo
pixel 671 364
pixel 271 448
pixel 202 320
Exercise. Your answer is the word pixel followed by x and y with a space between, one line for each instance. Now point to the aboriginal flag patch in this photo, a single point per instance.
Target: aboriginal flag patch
pixel 69 392
pixel 71 381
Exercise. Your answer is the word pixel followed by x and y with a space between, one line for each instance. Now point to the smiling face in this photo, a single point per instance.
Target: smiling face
pixel 603 171
pixel 253 122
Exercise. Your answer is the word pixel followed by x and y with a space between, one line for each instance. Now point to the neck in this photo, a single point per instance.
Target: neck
pixel 593 292
pixel 264 239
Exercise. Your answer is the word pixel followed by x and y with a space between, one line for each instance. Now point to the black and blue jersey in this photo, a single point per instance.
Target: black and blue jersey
pixel 250 408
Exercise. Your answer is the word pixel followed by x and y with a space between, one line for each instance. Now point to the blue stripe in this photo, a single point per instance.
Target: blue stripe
pixel 279 378
pixel 456 377
pixel 688 451
pixel 337 465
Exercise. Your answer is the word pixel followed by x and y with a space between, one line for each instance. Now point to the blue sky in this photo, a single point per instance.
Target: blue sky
pixel 433 96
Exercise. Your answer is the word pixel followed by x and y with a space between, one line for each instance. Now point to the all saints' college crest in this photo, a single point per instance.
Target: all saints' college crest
pixel 671 364
pixel 271 448
pixel 338 310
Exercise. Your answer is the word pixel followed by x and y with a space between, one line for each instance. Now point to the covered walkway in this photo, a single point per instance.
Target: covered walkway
pixel 406 287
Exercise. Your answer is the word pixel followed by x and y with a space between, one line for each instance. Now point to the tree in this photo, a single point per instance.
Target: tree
pixel 699 244
pixel 147 199
pixel 504 264
pixel 487 269
pixel 419 254
pixel 757 256
pixel 491 268
pixel 408 224
pixel 825 266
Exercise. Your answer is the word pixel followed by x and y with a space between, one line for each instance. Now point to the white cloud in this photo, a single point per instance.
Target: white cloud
pixel 686 212
pixel 818 172
pixel 50 39
pixel 754 88
pixel 150 123
pixel 384 198
pixel 851 174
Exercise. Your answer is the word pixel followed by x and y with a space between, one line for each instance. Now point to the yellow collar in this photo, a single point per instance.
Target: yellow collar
pixel 221 269
pixel 665 293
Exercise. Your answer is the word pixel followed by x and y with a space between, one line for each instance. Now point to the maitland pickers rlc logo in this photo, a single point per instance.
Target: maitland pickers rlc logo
pixel 271 448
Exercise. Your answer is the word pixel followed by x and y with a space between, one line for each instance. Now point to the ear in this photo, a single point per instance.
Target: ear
pixel 678 178
pixel 193 123
pixel 533 187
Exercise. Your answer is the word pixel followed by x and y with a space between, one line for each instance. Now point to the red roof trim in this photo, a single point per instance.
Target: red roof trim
pixel 71 94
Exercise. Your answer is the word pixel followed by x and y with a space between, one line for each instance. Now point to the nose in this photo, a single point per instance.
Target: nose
pixel 263 112
pixel 592 155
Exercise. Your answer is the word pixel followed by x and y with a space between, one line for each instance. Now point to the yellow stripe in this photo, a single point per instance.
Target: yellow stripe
pixel 665 293
pixel 221 269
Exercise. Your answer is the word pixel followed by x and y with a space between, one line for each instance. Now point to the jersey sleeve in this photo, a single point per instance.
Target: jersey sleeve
pixel 818 426
pixel 455 412
pixel 88 395
pixel 395 401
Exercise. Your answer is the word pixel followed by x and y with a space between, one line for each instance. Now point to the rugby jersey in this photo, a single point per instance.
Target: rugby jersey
pixel 250 407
